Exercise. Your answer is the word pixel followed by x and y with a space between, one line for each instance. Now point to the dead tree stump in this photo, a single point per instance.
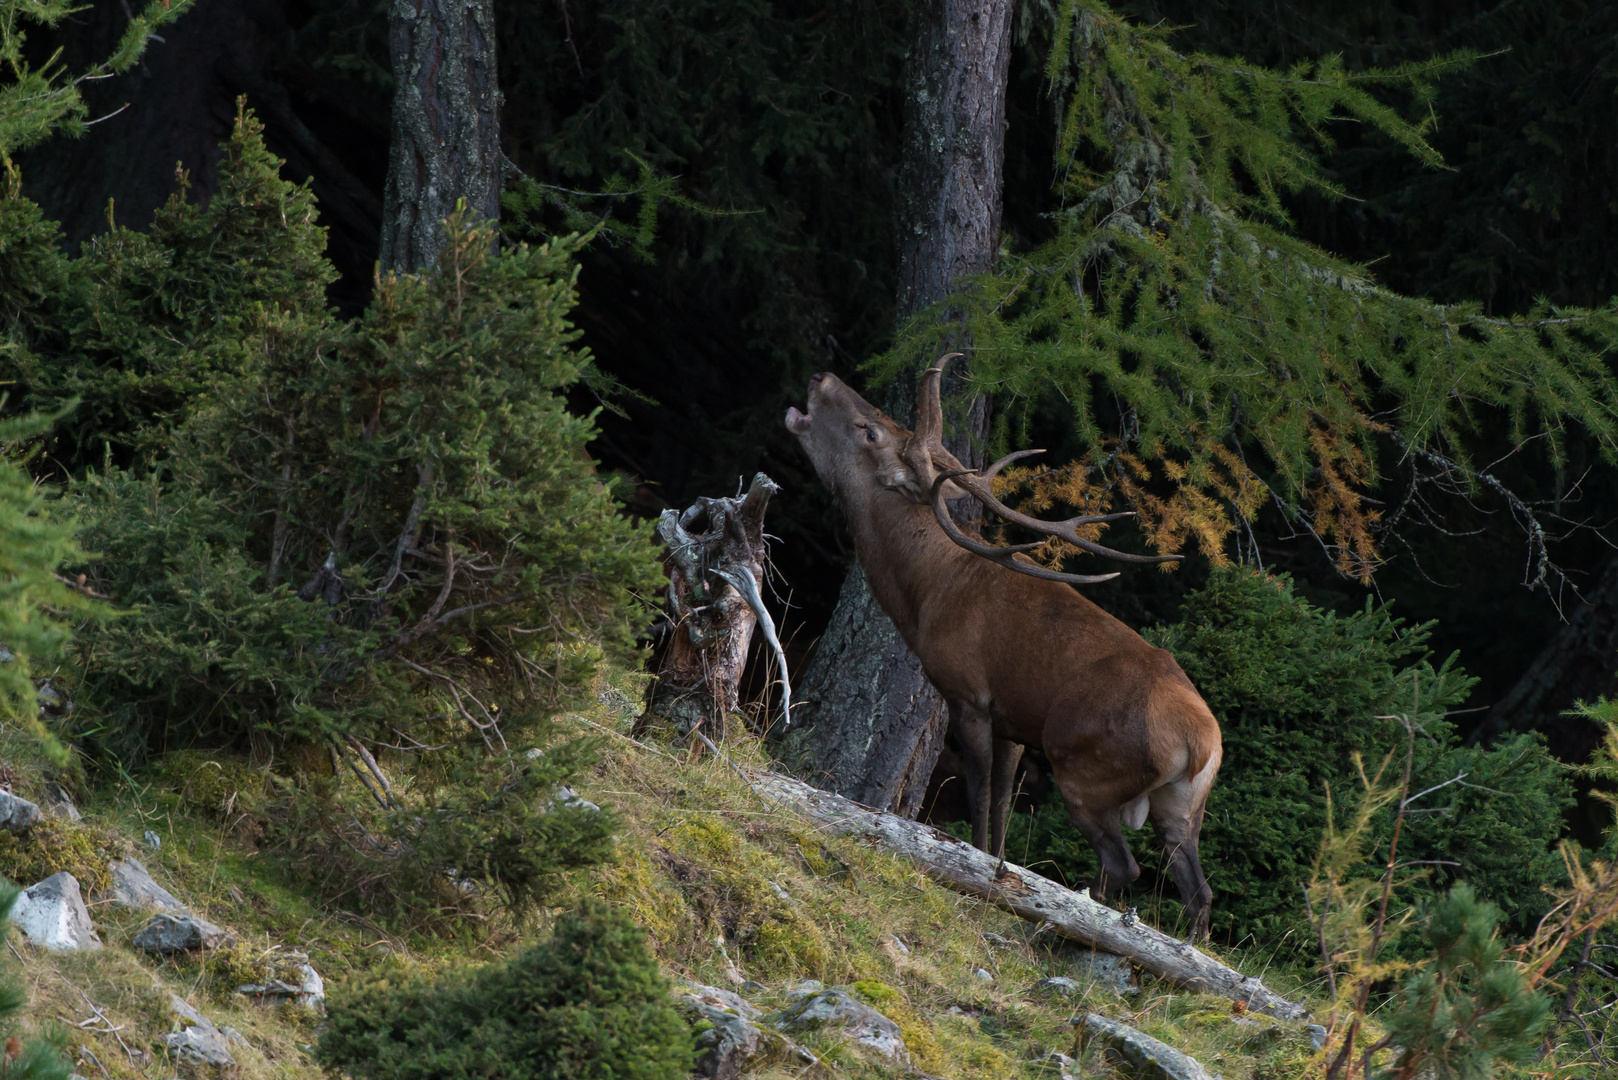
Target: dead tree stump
pixel 715 560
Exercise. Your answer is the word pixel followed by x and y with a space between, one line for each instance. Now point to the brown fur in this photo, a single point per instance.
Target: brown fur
pixel 1022 661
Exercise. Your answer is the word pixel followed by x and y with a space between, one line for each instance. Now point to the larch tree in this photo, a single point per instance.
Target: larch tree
pixel 1212 366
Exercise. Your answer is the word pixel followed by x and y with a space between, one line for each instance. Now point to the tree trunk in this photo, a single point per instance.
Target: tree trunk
pixel 446 125
pixel 960 866
pixel 1579 664
pixel 878 724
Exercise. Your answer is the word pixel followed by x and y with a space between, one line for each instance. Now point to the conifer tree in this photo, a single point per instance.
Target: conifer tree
pixel 35 539
pixel 1245 368
pixel 330 527
pixel 36 102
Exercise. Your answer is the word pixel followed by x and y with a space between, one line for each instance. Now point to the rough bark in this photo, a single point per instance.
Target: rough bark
pixel 955 124
pixel 446 125
pixel 962 867
pixel 711 622
pixel 1579 664
pixel 878 724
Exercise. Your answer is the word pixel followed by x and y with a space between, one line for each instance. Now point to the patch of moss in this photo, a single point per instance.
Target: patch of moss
pixel 918 1034
pixel 54 846
pixel 220 971
pixel 970 1056
pixel 657 908
pixel 732 886
pixel 221 786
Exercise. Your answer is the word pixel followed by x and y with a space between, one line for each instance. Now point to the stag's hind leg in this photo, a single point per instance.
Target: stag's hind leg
pixel 1100 819
pixel 1177 810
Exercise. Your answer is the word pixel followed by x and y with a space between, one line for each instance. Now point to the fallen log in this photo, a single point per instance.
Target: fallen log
pixel 1074 915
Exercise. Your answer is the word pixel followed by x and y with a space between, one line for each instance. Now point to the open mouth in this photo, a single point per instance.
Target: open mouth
pixel 797 422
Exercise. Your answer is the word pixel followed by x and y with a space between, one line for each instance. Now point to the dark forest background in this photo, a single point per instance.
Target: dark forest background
pixel 781 122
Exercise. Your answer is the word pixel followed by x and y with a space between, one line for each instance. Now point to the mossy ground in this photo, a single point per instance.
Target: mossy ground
pixel 728 888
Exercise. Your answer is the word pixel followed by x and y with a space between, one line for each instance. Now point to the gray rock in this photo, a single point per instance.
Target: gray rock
pixel 133 887
pixel 714 997
pixel 838 1008
pixel 805 987
pixel 1103 969
pixel 199 1041
pixel 728 1045
pixel 153 840
pixel 185 1011
pixel 1149 1058
pixel 983 975
pixel 49 697
pixel 294 980
pixel 52 915
pixel 733 1042
pixel 1317 1035
pixel 234 1037
pixel 570 798
pixel 59 804
pixel 17 816
pixel 1057 984
pixel 169 933
pixel 208 1047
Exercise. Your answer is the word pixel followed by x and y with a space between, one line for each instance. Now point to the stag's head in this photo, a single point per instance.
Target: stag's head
pixel 858 451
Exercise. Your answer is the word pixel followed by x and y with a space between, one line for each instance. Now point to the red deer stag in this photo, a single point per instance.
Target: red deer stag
pixel 1020 658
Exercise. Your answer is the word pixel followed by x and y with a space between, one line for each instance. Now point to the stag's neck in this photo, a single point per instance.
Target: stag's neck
pixel 904 554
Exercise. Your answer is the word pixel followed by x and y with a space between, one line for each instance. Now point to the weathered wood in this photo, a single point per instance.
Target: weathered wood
pixel 959 866
pixel 714 546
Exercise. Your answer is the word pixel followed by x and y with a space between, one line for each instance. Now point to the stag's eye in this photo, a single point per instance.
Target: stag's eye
pixel 870 434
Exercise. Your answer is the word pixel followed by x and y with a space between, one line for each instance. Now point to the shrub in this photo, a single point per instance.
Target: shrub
pixel 504 823
pixel 1468 1008
pixel 590 1004
pixel 463 834
pixel 332 527
pixel 35 603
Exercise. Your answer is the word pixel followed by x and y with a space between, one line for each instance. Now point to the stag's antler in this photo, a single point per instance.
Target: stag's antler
pixel 926 452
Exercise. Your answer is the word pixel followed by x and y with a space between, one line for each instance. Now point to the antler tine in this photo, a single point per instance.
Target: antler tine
pixel 1002 555
pixel 929 406
pixel 994 470
pixel 1067 530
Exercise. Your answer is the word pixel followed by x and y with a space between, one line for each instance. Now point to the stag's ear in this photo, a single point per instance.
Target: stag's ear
pixel 899 477
pixel 896 476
